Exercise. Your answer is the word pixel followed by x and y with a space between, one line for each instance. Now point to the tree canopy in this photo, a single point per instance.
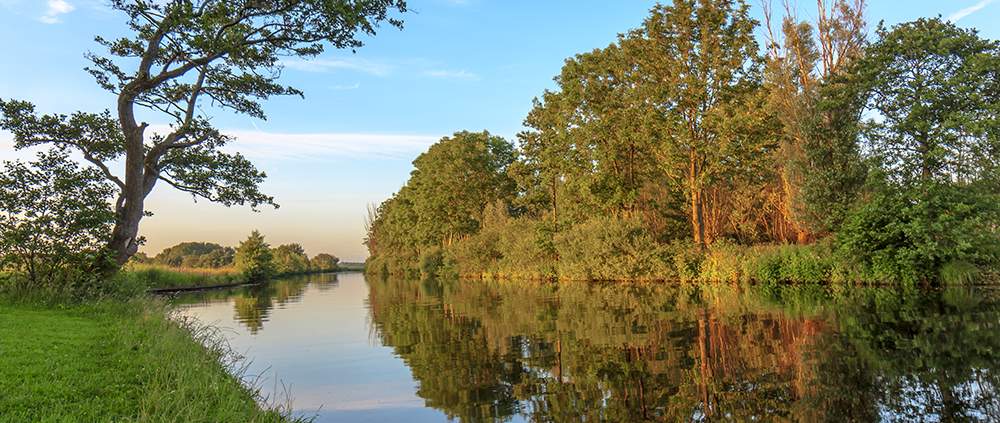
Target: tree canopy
pixel 184 54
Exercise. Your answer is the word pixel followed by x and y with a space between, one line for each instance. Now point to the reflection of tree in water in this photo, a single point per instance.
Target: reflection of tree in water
pixel 325 281
pixel 255 302
pixel 612 352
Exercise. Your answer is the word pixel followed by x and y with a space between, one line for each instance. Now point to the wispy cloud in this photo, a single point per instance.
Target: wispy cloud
pixel 452 74
pixel 969 10
pixel 56 8
pixel 321 65
pixel 311 147
pixel 341 87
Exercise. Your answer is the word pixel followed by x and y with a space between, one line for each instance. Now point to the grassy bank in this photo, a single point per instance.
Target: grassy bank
pixel 112 354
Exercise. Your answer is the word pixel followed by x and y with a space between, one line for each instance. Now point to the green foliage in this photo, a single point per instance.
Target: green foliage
pixel 431 260
pixel 205 255
pixel 290 259
pixel 818 157
pixel 609 249
pixel 455 181
pixel 933 87
pixel 54 220
pixel 324 262
pixel 459 184
pixel 893 236
pixel 254 258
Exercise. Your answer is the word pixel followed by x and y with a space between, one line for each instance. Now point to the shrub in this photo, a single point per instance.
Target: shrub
pixel 254 258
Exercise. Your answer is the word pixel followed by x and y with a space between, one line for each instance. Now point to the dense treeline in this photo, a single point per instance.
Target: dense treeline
pixel 683 152
pixel 254 258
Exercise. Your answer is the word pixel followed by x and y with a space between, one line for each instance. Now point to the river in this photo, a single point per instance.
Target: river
pixel 351 349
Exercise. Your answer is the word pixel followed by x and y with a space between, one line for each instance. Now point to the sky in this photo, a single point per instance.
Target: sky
pixel 457 65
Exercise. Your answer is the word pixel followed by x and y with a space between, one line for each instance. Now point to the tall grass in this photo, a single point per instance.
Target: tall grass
pixel 163 277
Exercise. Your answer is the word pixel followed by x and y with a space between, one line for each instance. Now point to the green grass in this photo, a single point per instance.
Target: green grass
pixel 113 360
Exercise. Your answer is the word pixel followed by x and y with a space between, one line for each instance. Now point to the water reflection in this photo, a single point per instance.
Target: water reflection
pixel 483 351
pixel 253 303
pixel 570 352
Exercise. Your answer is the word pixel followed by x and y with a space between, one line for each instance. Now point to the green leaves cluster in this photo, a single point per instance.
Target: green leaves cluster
pixel 198 255
pixel 446 195
pixel 54 219
pixel 935 91
pixel 254 258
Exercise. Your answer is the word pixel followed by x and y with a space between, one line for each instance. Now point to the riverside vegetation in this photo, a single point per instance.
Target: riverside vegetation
pixel 682 152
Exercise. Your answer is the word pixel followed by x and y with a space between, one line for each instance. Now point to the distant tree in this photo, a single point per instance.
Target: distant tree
pixel 139 257
pixel 184 53
pixel 186 254
pixel 324 261
pixel 254 258
pixel 216 259
pixel 290 259
pixel 54 218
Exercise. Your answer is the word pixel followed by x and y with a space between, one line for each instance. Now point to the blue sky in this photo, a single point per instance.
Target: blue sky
pixel 457 65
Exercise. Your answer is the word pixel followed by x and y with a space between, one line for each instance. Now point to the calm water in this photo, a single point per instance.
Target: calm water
pixel 386 349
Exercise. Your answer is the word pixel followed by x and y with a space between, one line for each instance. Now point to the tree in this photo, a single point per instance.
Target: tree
pixel 818 159
pixel 586 141
pixel 54 217
pixel 453 183
pixel 290 259
pixel 324 261
pixel 696 69
pixel 179 254
pixel 184 53
pixel 254 258
pixel 933 95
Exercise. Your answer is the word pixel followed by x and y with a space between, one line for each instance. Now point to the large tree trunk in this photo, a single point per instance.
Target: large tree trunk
pixel 129 208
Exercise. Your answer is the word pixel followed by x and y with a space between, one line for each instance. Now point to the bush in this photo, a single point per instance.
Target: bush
pixel 54 221
pixel 254 258
pixel 609 249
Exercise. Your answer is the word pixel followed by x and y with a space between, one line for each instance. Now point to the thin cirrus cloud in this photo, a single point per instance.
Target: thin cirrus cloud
pixel 346 87
pixel 55 9
pixel 452 74
pixel 322 65
pixel 968 10
pixel 312 147
pixel 423 68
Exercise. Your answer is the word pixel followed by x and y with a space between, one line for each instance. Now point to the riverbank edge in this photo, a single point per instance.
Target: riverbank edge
pixel 135 361
pixel 168 279
pixel 722 262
